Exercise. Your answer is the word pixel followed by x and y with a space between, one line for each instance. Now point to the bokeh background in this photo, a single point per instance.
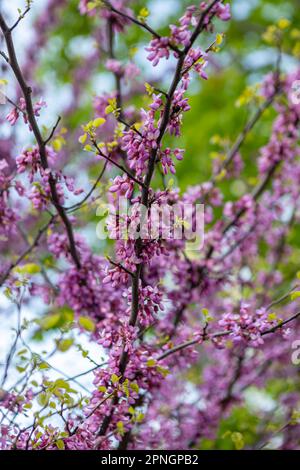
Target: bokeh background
pixel 64 63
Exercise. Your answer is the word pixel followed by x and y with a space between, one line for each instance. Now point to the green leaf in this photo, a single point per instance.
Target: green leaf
pixel 50 321
pixel 151 362
pixel 87 323
pixel 43 399
pixel 8 293
pixel 98 122
pixel 150 90
pixel 134 386
pixel 283 23
pixel 27 406
pixel 143 15
pixel 114 378
pixel 238 440
pixel 60 444
pixel 125 388
pixel 140 417
pixel 120 428
pixel 131 410
pixel 29 268
pixel 219 39
pixel 82 138
pixel 163 371
pixel 65 344
pixel 44 365
pixel 295 295
pixel 109 109
pixel 21 352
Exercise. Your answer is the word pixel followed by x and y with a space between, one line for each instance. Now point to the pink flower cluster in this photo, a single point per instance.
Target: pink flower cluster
pixel 166 160
pixel 180 36
pixel 123 186
pixel 150 304
pixel 247 326
pixel 30 160
pixel 13 116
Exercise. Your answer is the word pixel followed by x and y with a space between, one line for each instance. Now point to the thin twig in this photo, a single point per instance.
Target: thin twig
pixel 193 342
pixel 142 25
pixel 27 251
pixel 121 167
pixel 53 130
pixel 80 203
pixel 119 265
pixel 22 15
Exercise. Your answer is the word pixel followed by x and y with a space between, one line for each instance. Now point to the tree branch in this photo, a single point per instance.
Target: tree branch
pixel 145 193
pixel 121 167
pixel 143 25
pixel 27 91
pixel 219 334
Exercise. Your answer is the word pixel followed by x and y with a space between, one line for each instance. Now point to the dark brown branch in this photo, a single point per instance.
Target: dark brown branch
pixel 281 324
pixel 235 377
pixel 146 188
pixel 4 56
pixel 119 265
pixel 177 348
pixel 22 15
pixel 143 25
pixel 193 342
pixel 27 91
pixel 122 168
